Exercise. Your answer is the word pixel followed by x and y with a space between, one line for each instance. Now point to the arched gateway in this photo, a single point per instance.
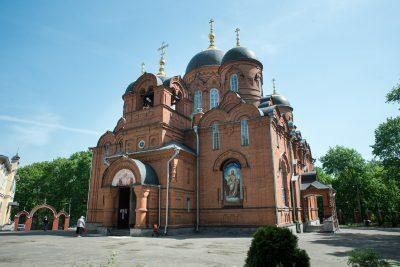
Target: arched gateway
pixel 126 184
pixel 29 218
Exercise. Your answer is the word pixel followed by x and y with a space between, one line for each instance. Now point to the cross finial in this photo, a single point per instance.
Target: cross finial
pixel 273 86
pixel 162 48
pixel 142 68
pixel 237 37
pixel 211 36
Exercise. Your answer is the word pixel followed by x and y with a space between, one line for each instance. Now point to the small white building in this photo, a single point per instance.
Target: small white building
pixel 8 180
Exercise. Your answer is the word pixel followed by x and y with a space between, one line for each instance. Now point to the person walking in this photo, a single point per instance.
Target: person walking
pixel 80 226
pixel 45 223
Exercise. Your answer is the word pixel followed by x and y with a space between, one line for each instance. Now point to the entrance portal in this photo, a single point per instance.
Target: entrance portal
pixel 123 207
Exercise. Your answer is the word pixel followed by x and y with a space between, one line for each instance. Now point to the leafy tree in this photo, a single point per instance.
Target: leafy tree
pixel 339 159
pixel 61 182
pixel 322 176
pixel 394 95
pixel 387 146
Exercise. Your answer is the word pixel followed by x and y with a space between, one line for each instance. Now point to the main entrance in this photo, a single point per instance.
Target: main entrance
pixel 123 207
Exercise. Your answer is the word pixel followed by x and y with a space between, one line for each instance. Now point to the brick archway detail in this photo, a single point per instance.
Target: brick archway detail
pixel 122 163
pixel 66 219
pixel 28 224
pixel 230 154
pixel 17 216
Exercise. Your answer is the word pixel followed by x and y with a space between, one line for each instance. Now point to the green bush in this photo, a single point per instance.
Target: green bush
pixel 273 246
pixel 365 258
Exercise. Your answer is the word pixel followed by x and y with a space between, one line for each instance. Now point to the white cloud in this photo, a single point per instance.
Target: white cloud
pixel 38 130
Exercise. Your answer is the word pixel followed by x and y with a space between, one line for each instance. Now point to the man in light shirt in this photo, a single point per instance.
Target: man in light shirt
pixel 80 226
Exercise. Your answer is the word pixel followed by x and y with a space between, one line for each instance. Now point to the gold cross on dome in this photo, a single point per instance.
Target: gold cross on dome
pixel 273 86
pixel 211 36
pixel 237 37
pixel 143 70
pixel 211 23
pixel 161 70
pixel 162 49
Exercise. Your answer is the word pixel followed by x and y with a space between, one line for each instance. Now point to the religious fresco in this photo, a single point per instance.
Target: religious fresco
pixel 232 183
pixel 123 177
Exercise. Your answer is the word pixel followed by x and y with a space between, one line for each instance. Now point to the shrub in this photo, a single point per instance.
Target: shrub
pixel 365 258
pixel 273 246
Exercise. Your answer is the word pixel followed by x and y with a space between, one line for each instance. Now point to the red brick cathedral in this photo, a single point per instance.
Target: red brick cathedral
pixel 205 150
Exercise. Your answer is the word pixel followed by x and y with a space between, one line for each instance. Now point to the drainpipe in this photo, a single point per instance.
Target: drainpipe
pixel 291 182
pixel 273 168
pixel 167 197
pixel 196 128
pixel 159 206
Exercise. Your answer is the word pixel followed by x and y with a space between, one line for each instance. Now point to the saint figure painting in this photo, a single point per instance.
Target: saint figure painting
pixel 232 183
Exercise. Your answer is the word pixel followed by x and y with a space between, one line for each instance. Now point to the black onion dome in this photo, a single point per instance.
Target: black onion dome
pixel 210 57
pixel 130 87
pixel 276 99
pixel 239 53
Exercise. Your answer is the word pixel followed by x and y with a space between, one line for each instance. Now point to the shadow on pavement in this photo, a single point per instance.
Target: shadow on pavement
pixel 386 245
pixel 69 233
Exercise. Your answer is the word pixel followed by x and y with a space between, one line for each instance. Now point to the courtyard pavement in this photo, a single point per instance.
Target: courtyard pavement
pixel 37 248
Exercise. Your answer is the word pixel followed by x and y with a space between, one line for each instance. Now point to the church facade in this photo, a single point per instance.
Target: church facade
pixel 205 150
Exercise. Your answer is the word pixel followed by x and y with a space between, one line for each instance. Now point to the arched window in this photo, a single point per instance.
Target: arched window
pixel 107 149
pixel 214 98
pixel 244 132
pixel 232 183
pixel 287 195
pixel 175 98
pixel 284 177
pixel 234 83
pixel 215 136
pixel 197 101
pixel 148 99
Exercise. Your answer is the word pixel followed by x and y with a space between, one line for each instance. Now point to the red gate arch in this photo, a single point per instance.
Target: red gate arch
pixel 66 219
pixel 16 219
pixel 56 216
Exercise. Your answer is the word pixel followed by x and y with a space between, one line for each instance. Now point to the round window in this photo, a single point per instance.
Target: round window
pixel 141 144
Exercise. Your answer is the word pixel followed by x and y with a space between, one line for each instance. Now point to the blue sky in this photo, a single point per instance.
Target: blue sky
pixel 65 65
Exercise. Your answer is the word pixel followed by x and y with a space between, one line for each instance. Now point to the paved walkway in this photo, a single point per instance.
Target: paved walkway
pixel 63 249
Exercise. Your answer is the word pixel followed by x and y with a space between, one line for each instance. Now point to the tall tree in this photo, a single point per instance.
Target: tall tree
pixel 387 139
pixel 339 159
pixel 348 169
pixel 62 183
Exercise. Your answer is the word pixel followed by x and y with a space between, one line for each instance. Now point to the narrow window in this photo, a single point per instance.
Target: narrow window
pixel 215 136
pixel 188 204
pixel 214 98
pixel 234 83
pixel 283 195
pixel 107 150
pixel 197 101
pixel 244 132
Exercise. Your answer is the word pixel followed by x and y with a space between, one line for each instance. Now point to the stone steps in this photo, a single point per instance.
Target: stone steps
pixel 120 232
pixel 315 228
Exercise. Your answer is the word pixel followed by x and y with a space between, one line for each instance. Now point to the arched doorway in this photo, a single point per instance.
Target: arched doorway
pixel 124 180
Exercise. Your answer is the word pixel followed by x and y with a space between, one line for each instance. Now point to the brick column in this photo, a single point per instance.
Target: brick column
pixel 16 221
pixel 28 223
pixel 66 223
pixel 141 205
pixel 108 211
pixel 55 224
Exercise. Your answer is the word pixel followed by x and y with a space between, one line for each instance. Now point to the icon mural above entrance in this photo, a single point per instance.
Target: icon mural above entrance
pixel 123 177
